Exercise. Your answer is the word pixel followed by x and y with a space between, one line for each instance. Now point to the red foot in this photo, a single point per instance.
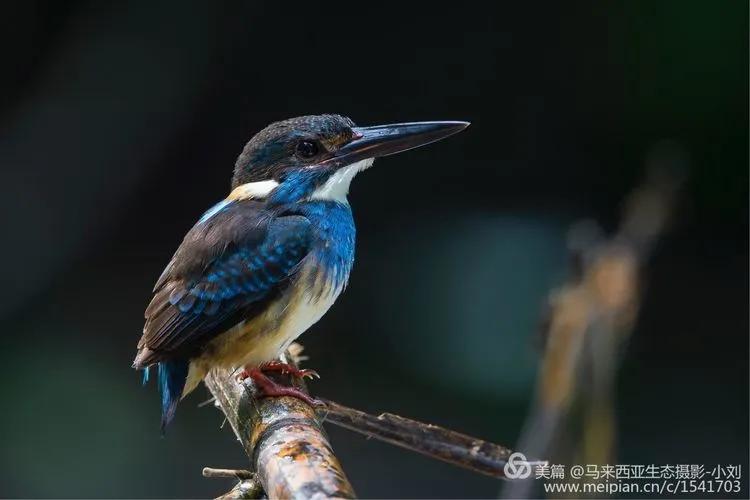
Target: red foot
pixel 268 388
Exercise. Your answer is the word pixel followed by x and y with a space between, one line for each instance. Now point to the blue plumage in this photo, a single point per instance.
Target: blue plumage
pixel 225 265
pixel 172 376
pixel 333 224
pixel 213 210
pixel 297 184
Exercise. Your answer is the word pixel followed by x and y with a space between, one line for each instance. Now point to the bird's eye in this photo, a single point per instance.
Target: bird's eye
pixel 306 149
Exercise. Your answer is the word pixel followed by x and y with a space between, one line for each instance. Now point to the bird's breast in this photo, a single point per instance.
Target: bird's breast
pixel 307 304
pixel 262 338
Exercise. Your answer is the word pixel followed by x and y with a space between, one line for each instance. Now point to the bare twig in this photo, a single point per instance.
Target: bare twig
pixel 284 440
pixel 231 473
pixel 427 439
pixel 244 490
pixel 207 402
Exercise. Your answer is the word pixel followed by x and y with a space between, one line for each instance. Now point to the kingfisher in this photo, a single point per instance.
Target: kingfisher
pixel 263 265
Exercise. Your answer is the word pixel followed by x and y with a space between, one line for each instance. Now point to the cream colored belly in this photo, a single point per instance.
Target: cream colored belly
pixel 256 341
pixel 300 314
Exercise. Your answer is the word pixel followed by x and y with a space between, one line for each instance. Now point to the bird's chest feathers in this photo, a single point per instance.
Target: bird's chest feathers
pixel 313 290
pixel 326 268
pixel 333 250
pixel 305 307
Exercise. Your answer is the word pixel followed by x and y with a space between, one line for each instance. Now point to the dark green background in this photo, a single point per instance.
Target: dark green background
pixel 120 125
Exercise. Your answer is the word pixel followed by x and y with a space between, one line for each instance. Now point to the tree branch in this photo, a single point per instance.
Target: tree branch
pixel 283 438
pixel 247 487
pixel 240 474
pixel 427 439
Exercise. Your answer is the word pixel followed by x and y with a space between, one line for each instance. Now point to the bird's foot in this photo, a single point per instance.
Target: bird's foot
pixel 269 388
pixel 287 369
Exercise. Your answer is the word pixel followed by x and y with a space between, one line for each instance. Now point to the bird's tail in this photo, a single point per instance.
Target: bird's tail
pixel 171 375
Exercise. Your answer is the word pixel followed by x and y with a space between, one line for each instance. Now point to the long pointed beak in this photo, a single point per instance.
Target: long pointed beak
pixel 384 140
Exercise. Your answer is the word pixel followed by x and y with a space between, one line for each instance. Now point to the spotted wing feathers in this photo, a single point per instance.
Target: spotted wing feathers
pixel 226 268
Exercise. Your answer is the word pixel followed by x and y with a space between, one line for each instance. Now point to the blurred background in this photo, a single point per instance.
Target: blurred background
pixel 120 124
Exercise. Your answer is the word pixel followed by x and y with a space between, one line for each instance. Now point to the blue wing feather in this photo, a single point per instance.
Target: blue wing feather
pixel 224 270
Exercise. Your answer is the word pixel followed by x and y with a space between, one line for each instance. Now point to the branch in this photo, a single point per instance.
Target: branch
pixel 283 438
pixel 244 490
pixel 248 486
pixel 240 474
pixel 427 439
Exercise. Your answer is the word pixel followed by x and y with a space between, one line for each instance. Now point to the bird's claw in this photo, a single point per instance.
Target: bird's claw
pixel 311 374
pixel 267 387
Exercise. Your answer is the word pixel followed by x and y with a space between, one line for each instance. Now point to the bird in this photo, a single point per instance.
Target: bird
pixel 263 265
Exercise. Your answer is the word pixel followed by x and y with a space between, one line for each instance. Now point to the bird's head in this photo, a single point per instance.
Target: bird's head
pixel 316 157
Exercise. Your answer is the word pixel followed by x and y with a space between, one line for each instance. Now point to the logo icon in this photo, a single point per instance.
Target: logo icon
pixel 517 467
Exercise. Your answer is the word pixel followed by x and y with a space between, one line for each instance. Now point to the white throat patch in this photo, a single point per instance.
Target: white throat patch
pixel 337 186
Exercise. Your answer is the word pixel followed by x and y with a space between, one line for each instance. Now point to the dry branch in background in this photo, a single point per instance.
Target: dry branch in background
pixel 588 321
pixel 284 440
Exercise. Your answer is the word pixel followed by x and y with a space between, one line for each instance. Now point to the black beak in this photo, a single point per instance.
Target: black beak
pixel 384 140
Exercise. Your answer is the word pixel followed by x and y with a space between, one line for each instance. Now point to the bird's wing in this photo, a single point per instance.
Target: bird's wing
pixel 235 261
